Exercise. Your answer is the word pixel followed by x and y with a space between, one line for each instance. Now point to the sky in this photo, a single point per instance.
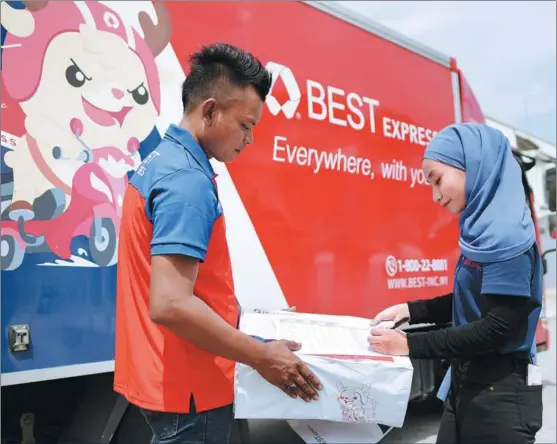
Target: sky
pixel 506 50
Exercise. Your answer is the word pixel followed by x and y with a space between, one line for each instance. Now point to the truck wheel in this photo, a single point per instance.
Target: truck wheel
pixel 11 253
pixel 104 244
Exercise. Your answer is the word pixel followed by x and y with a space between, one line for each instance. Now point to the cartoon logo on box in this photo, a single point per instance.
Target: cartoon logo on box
pixel 87 87
pixel 356 403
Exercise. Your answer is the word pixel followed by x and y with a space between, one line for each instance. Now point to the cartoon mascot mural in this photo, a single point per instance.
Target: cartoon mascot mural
pixel 88 89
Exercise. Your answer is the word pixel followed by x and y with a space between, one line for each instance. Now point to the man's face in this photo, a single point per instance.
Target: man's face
pixel 228 129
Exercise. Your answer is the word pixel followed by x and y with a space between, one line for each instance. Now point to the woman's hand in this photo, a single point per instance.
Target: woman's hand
pixel 389 342
pixel 394 313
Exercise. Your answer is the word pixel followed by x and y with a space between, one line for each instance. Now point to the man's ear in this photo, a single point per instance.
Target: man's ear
pixel 208 109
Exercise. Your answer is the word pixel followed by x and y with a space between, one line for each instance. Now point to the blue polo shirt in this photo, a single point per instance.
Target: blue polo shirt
pixel 521 276
pixel 171 207
pixel 177 179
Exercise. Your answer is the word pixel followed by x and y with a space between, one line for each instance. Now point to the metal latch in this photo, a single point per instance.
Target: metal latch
pixel 27 423
pixel 19 337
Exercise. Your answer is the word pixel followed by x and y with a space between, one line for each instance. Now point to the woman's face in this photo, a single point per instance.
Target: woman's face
pixel 448 184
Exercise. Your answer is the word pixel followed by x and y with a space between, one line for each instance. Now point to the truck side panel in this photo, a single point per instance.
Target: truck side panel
pixel 333 186
pixel 71 134
pixel 325 211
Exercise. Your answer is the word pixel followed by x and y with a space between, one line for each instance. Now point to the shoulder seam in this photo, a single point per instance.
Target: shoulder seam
pixel 177 171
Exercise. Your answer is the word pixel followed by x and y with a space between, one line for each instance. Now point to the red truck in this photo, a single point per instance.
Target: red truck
pixel 328 211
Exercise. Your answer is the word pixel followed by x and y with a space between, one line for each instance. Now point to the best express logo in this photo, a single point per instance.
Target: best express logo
pixel 328 102
pixel 292 89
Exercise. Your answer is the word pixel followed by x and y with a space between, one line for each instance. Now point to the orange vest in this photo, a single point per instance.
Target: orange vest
pixel 154 368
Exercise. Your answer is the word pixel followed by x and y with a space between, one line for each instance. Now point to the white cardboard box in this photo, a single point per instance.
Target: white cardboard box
pixel 322 432
pixel 359 385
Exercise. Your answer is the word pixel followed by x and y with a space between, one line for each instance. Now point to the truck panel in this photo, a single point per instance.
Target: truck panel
pixel 326 210
pixel 338 10
pixel 313 184
pixel 58 266
pixel 313 181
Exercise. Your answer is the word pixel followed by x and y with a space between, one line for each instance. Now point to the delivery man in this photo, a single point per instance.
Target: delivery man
pixel 176 311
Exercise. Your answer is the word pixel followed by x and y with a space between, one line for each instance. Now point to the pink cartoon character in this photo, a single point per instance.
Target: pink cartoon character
pixel 89 87
pixel 356 403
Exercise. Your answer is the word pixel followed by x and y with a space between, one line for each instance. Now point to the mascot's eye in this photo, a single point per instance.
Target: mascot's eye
pixel 75 76
pixel 140 95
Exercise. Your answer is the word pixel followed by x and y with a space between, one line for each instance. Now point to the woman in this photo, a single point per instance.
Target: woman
pixel 496 299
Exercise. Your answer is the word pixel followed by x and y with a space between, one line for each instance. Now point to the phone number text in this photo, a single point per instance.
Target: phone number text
pixel 422 265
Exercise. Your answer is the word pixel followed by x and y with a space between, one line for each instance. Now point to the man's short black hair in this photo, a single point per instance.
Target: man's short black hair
pixel 220 62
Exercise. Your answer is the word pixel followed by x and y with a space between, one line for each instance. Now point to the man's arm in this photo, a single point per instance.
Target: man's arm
pixel 183 208
pixel 174 306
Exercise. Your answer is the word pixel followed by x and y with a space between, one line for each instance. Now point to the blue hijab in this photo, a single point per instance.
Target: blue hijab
pixel 496 223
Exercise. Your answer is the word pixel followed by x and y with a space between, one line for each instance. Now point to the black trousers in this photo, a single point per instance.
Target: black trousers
pixel 489 402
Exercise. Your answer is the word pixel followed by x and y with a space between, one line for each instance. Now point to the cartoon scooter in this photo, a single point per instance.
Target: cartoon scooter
pixel 94 211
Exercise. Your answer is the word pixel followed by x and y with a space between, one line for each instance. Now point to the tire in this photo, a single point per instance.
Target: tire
pixel 104 251
pixel 12 254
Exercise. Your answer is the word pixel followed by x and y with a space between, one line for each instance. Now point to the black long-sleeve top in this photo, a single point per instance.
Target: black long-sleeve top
pixel 485 335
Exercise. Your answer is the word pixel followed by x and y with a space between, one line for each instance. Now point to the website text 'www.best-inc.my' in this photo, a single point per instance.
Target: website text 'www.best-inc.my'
pixel 417 282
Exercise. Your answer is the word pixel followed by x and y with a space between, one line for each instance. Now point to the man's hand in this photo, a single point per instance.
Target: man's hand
pixel 285 370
